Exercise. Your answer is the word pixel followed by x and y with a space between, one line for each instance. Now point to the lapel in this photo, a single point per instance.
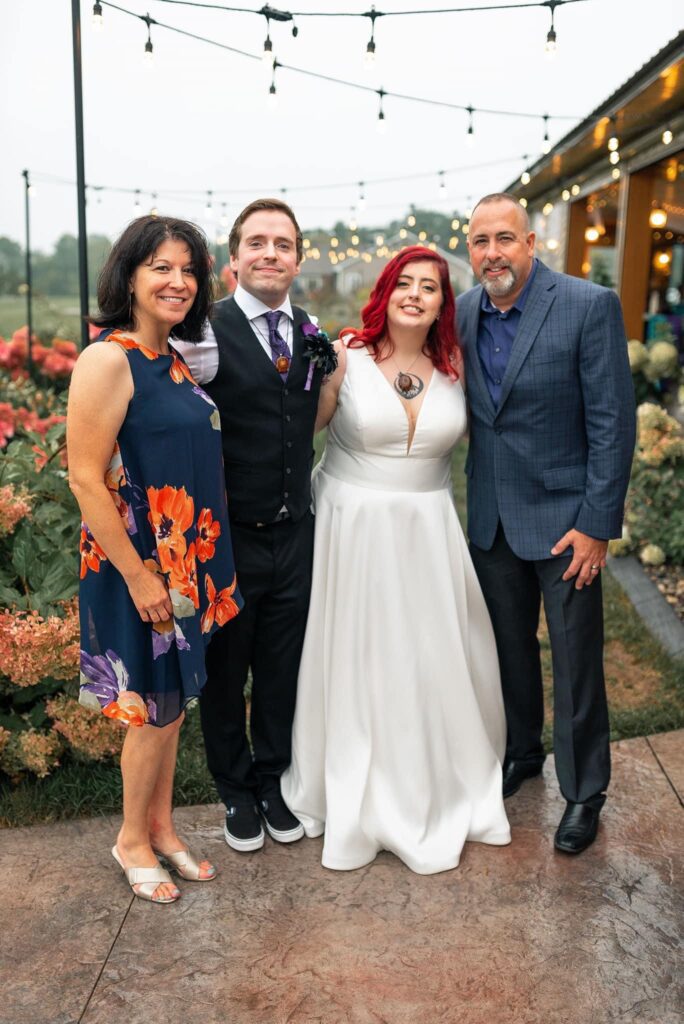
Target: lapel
pixel 475 376
pixel 539 301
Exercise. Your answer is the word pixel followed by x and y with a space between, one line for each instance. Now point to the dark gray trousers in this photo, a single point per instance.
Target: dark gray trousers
pixel 513 589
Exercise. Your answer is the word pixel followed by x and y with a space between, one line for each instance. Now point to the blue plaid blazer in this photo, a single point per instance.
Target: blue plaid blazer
pixel 557 453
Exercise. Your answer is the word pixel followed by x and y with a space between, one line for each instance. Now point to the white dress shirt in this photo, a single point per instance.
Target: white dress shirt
pixel 203 357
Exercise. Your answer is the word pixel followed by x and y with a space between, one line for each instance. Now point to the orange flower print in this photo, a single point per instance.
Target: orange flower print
pixel 179 370
pixel 115 477
pixel 129 343
pixel 183 576
pixel 129 707
pixel 172 511
pixel 208 532
pixel 91 552
pixel 222 608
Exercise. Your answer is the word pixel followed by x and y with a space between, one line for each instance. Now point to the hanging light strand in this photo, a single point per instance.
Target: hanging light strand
pixel 341 81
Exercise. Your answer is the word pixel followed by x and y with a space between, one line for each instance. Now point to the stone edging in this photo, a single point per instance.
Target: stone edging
pixel 652 607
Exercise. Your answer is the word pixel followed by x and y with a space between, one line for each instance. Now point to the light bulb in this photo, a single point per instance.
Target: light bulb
pixel 525 178
pixel 370 54
pixel 267 55
pixel 614 157
pixel 551 45
pixel 97 17
pixel 613 143
pixel 149 52
pixel 667 137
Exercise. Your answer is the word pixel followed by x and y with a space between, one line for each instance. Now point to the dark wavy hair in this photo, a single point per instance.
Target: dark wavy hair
pixel 441 345
pixel 137 244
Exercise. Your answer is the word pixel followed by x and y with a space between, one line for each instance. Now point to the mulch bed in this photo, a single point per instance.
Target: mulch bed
pixel 669 579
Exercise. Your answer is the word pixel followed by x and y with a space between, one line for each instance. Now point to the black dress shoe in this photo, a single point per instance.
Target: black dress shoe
pixel 242 830
pixel 279 820
pixel 516 772
pixel 577 829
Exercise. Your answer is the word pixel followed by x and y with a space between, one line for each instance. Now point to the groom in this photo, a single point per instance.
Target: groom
pixel 551 442
pixel 252 366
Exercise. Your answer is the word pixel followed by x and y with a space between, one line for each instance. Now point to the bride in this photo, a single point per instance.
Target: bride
pixel 399 730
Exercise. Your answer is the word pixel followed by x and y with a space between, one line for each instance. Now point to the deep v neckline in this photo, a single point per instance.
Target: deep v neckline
pixel 411 437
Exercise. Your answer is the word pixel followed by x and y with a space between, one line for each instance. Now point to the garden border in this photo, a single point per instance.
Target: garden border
pixel 651 606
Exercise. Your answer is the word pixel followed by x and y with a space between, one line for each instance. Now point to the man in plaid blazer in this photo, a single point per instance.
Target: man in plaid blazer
pixel 551 441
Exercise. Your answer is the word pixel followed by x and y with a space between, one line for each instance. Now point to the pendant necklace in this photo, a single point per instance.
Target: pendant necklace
pixel 281 363
pixel 407 384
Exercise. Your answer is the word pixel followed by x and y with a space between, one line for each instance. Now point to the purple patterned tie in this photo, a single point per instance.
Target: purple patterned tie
pixel 280 353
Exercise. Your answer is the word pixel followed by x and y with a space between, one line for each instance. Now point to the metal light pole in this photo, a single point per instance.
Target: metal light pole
pixel 80 171
pixel 29 284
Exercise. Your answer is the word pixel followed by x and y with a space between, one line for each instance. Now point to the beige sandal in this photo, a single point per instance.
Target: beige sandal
pixel 185 864
pixel 147 880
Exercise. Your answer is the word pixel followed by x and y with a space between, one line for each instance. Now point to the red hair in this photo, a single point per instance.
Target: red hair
pixel 441 345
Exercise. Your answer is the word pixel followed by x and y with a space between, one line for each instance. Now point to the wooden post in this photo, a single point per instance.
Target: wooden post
pixel 635 266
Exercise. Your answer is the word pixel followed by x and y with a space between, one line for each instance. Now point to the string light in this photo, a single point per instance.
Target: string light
pixel 154 211
pixel 614 157
pixel 525 178
pixel 97 16
pixel 136 203
pixel 548 207
pixel 370 48
pixel 667 137
pixel 565 195
pixel 268 45
pixel 575 190
pixel 272 95
pixel 470 133
pixel 455 224
pixel 362 198
pixel 209 209
pixel 546 144
pixel 615 173
pixel 382 126
pixel 443 191
pixel 149 49
pixel 551 43
pixel 223 220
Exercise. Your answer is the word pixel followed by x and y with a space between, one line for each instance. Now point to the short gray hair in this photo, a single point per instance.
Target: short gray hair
pixel 505 197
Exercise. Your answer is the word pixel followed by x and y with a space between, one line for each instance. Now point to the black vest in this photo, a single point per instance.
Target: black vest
pixel 267 426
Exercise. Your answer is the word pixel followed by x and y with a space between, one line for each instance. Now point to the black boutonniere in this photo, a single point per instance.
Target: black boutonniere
pixel 318 349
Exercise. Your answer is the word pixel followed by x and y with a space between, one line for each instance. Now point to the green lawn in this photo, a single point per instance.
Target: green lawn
pixel 645 693
pixel 54 316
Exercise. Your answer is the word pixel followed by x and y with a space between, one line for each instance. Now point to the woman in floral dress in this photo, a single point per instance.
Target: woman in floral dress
pixel 157 571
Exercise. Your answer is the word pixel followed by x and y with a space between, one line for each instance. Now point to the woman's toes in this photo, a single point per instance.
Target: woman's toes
pixel 207 870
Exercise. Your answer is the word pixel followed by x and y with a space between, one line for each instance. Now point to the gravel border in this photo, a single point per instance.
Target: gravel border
pixel 656 613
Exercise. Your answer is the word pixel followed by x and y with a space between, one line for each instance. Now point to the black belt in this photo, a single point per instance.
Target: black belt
pixel 280 518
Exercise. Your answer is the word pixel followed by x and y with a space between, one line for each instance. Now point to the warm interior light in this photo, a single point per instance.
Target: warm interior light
pixel 657 217
pixel 591 234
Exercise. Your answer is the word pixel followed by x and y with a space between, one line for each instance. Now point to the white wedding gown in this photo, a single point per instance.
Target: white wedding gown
pixel 399 730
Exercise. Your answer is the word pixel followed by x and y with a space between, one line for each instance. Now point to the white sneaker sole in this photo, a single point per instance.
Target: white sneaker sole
pixel 243 845
pixel 290 836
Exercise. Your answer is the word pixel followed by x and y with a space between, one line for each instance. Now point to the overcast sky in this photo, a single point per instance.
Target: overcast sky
pixel 198 117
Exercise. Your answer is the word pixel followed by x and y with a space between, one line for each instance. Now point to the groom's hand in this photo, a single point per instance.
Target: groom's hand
pixel 587 552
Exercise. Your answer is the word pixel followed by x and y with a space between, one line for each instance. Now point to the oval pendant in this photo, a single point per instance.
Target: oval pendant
pixel 282 364
pixel 408 385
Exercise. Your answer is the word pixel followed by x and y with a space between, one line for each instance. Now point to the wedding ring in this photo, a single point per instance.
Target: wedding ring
pixel 594 568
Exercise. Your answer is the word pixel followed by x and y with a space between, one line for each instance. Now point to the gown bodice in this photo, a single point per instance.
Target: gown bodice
pixel 368 435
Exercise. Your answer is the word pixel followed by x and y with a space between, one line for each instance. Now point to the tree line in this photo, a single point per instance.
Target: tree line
pixel 56 273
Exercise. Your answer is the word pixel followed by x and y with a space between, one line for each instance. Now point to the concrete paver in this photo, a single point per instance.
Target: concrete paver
pixel 514 935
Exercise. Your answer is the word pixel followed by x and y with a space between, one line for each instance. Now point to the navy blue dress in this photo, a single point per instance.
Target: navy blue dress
pixel 167 482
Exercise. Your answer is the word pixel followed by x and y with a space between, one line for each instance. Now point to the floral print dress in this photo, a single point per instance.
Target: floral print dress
pixel 167 482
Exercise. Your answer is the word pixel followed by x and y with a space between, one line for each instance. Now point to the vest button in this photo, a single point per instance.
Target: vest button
pixel 285 391
pixel 288 418
pixel 288 444
pixel 286 494
pixel 288 470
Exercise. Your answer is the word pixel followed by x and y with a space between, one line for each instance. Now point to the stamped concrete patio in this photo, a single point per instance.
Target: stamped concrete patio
pixel 515 935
